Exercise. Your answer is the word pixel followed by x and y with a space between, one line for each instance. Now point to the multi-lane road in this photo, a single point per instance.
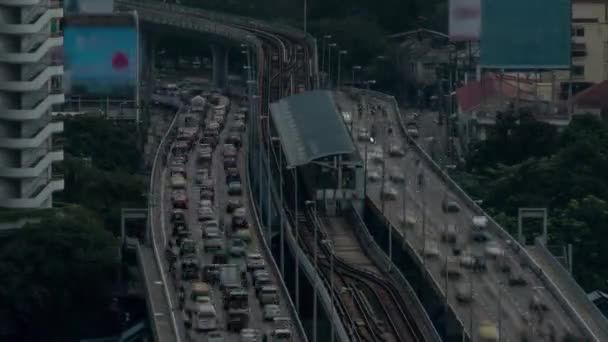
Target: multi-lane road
pixel 509 307
pixel 164 230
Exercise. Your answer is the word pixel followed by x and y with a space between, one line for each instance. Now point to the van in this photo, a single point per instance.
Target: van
pixel 268 295
pixel 205 317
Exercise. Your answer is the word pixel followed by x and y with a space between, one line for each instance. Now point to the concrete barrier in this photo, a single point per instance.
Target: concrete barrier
pixel 379 257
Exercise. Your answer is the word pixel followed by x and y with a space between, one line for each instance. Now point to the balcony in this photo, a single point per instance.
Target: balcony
pixel 35 171
pixel 39 196
pixel 33 113
pixel 41 136
pixel 34 28
pixel 34 84
pixel 579 50
pixel 34 56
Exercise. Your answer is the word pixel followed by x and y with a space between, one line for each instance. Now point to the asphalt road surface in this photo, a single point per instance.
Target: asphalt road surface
pixel 256 320
pixel 490 289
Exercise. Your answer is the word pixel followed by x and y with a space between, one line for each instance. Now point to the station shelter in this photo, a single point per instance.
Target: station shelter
pixel 318 152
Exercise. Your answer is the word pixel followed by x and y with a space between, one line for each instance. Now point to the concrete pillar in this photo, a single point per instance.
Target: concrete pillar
pixel 220 65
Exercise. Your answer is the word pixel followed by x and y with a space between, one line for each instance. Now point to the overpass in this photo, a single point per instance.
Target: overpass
pixel 161 296
pixel 569 308
pixel 573 310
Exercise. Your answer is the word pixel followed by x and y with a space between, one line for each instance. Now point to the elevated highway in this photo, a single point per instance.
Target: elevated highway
pixel 269 74
pixel 494 297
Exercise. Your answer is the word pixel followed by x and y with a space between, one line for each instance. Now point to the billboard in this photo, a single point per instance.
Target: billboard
pixel 101 59
pixel 525 34
pixel 464 20
pixel 76 7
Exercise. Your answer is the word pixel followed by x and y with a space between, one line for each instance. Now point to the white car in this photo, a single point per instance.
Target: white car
pixel 493 249
pixel 271 311
pixel 255 261
pixel 389 193
pixel 374 175
pixel 431 249
pixel 467 261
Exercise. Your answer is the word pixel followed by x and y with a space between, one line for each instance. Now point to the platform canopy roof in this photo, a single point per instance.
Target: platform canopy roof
pixel 310 127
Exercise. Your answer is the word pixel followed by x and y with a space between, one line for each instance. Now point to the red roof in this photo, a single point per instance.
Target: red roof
pixel 472 94
pixel 595 96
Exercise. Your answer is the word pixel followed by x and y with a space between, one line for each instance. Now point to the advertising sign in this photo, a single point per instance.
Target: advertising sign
pixel 76 7
pixel 525 34
pixel 465 20
pixel 101 61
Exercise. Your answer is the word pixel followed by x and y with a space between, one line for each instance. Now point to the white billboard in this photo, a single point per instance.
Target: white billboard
pixel 76 7
pixel 465 20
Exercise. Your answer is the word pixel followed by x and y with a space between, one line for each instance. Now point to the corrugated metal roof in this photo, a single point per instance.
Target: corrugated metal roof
pixel 310 127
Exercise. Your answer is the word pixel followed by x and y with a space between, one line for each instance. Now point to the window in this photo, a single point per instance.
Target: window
pixel 578 31
pixel 578 70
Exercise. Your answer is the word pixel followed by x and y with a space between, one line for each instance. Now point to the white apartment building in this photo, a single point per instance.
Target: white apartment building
pixel 30 84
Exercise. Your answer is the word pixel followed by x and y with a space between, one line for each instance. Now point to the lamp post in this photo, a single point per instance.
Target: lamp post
pixel 355 67
pixel 313 207
pixel 324 43
pixel 368 82
pixel 340 53
pixel 305 16
pixel 329 47
pixel 295 177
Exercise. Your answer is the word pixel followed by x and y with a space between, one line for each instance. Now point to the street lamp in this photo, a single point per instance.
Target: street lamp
pixel 340 53
pixel 325 39
pixel 305 16
pixel 355 67
pixel 313 207
pixel 329 46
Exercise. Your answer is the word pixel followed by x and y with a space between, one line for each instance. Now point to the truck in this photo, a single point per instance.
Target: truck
pixel 230 277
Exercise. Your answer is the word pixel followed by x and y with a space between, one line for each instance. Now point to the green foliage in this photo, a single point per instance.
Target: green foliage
pixel 111 145
pixel 53 274
pixel 531 165
pixel 104 192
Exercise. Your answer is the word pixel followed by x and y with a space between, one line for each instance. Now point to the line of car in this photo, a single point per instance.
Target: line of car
pixel 223 220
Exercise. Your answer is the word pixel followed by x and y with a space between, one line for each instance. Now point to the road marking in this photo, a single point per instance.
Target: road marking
pixel 158 314
pixel 158 282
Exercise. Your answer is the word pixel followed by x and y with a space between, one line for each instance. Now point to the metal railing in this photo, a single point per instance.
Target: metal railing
pixel 158 155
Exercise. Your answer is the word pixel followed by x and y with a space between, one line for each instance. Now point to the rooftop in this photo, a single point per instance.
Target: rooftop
pixel 310 127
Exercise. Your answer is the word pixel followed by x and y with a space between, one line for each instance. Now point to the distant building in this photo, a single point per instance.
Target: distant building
pixel 30 84
pixel 589 47
pixel 424 57
pixel 479 103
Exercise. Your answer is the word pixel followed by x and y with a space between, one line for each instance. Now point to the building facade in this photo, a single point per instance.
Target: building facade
pixel 30 84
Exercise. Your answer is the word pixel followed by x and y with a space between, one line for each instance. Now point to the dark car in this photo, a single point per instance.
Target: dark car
pixel 233 204
pixel 239 222
pixel 229 163
pixel 234 139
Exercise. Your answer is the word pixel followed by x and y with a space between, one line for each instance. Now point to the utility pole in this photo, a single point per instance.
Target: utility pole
pixel 323 45
pixel 329 47
pixel 355 67
pixel 305 16
pixel 340 53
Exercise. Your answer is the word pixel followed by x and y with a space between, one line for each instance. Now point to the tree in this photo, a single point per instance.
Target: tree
pixel 104 192
pixel 56 278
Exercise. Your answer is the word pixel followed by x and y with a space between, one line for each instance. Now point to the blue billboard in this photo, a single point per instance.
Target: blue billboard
pixel 101 61
pixel 525 34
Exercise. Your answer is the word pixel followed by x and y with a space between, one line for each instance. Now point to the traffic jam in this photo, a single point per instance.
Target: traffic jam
pixel 224 288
